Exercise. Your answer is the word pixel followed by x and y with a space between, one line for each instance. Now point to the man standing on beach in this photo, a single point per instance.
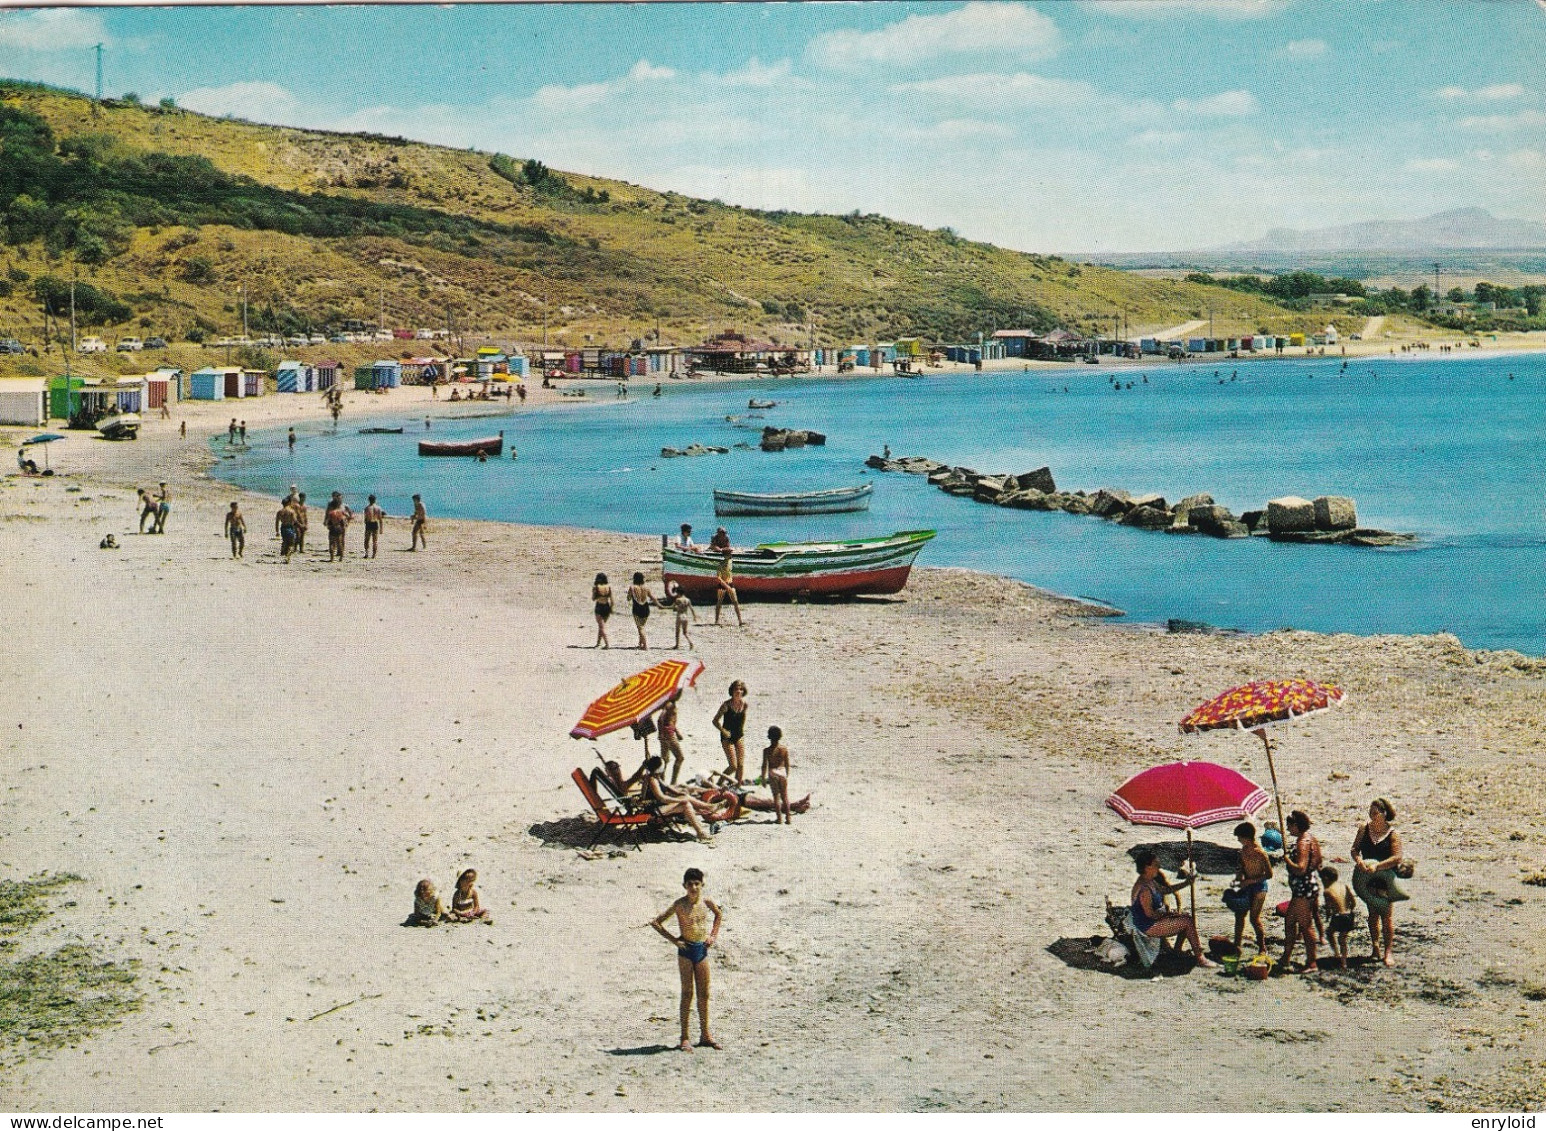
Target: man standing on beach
pixel 336 518
pixel 290 439
pixel 285 523
pixel 163 508
pixel 230 432
pixel 301 520
pixel 236 530
pixel 241 433
pixel 420 524
pixel 374 517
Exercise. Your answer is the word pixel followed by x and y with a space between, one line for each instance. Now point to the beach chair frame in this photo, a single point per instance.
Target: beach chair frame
pixel 611 811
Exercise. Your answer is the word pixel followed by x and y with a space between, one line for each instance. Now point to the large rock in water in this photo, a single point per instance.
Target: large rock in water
pixel 1209 519
pixel 1186 504
pixel 1290 514
pixel 1147 518
pixel 1039 480
pixel 1335 512
pixel 1111 502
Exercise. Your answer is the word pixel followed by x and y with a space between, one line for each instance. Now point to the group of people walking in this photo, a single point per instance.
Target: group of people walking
pixel 292 520
pixel 1320 908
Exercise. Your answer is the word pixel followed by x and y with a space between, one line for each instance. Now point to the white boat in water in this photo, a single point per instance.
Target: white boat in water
pixel 838 500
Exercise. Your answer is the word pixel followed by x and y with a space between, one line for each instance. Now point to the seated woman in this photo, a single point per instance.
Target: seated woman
pixel 466 906
pixel 1149 913
pixel 671 801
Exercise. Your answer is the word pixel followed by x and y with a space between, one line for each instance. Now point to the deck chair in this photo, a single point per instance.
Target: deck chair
pixel 612 812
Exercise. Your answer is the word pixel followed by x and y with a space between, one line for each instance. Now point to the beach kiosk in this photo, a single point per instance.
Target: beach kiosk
pixel 24 400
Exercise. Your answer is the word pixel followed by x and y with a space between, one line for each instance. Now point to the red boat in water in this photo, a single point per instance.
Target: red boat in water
pixel 490 446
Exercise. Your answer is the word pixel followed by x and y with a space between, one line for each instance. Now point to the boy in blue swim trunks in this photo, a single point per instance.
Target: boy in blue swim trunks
pixel 694 937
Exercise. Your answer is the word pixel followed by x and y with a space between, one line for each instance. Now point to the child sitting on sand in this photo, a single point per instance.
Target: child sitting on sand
pixel 466 907
pixel 427 908
pixel 1339 906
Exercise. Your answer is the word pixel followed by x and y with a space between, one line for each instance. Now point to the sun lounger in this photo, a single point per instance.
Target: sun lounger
pixel 612 812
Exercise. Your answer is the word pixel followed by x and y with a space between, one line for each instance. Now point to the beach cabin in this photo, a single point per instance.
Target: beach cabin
pixel 327 373
pixel 63 396
pixel 520 367
pixel 295 377
pixel 1016 343
pixel 378 375
pixel 217 383
pixel 1197 345
pixel 163 388
pixel 1296 340
pixel 252 382
pixel 24 400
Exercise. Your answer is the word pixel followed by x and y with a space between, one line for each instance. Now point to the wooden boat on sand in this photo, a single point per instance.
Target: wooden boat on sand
pixel 784 570
pixel 490 446
pixel 838 500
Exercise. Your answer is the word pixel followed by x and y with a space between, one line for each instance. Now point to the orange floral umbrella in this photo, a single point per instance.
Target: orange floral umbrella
pixel 639 695
pixel 1256 706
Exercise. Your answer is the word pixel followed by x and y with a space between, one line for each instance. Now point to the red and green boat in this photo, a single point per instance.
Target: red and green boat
pixel 784 570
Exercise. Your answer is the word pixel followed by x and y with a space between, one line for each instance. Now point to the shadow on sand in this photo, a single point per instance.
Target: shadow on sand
pixel 1079 954
pixel 580 832
pixel 642 1050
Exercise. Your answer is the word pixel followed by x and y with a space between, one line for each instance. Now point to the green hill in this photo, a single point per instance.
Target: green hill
pixel 170 215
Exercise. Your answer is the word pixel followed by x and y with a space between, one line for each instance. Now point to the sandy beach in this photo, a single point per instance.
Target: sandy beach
pixel 250 765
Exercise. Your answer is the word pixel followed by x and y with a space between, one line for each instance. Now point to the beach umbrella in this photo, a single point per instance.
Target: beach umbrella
pixel 639 695
pixel 1258 705
pixel 1187 795
pixel 44 438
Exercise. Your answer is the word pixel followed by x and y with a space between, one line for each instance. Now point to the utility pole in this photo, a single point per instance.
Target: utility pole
pixel 96 107
pixel 72 308
pixel 1435 284
pixel 544 322
pixel 383 310
pixel 244 310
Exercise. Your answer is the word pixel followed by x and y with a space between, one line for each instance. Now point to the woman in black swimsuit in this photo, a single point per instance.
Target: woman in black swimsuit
pixel 1304 885
pixel 731 721
pixel 641 598
pixel 601 594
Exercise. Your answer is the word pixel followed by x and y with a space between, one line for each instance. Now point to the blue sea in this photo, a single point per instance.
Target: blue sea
pixel 1450 450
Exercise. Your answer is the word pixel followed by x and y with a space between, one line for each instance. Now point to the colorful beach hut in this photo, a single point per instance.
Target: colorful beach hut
pixel 327 373
pixel 217 383
pixel 378 375
pixel 163 388
pixel 295 377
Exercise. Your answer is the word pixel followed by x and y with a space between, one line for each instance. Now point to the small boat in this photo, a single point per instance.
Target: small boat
pixel 490 446
pixel 838 500
pixel 784 570
pixel 120 426
pixel 381 431
pixel 755 403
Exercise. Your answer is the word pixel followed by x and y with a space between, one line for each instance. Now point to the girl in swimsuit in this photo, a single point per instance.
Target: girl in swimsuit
pixel 775 769
pixel 731 721
pixel 670 740
pixel 601 595
pixel 465 904
pixel 640 597
pixel 1149 913
pixel 1304 885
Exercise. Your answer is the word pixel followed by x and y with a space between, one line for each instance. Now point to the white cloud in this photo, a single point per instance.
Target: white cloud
pixel 1005 29
pixel 1526 159
pixel 1430 165
pixel 757 74
pixel 1177 9
pixel 1497 92
pixel 570 99
pixel 1502 123
pixel 1229 104
pixel 643 71
pixel 52 29
pixel 1305 48
pixel 1149 139
pixel 254 101
pixel 1018 90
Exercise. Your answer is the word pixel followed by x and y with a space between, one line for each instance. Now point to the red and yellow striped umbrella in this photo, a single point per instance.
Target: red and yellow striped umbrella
pixel 637 696
pixel 1255 705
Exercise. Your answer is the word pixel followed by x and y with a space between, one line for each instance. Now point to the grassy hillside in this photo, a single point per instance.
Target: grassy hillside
pixel 171 214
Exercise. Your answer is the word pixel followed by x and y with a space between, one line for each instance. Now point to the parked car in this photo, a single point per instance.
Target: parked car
pixel 317 339
pixel 155 343
pixel 11 345
pixel 91 345
pixel 130 345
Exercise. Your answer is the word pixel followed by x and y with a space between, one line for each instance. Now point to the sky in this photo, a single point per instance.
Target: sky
pixel 1077 126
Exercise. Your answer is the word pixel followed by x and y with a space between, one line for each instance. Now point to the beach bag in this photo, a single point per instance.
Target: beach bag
pixel 643 727
pixel 1237 899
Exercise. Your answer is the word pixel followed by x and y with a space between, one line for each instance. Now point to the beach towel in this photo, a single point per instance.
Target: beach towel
pixel 1146 948
pixel 1378 889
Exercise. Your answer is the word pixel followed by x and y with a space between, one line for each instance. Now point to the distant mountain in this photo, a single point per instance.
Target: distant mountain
pixel 1457 228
